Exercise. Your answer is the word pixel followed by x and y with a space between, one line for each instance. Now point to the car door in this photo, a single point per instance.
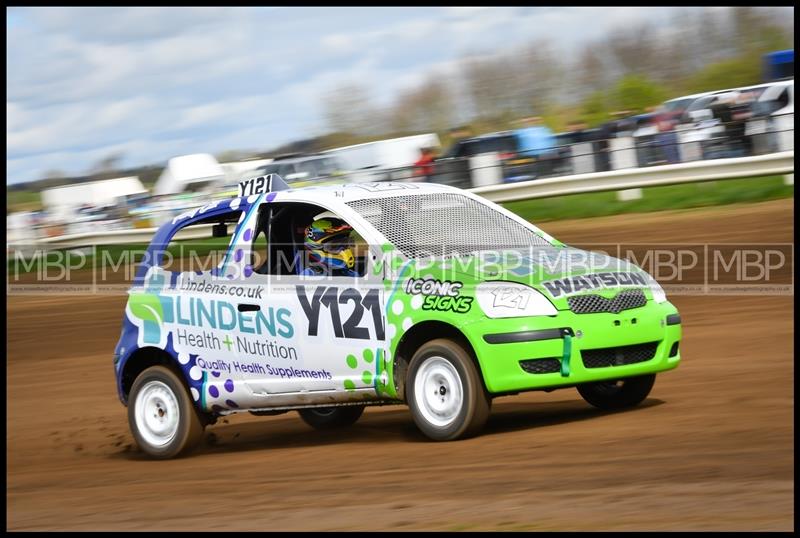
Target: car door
pixel 320 337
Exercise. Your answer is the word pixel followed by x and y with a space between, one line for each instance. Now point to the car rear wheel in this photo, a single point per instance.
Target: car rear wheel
pixel 328 418
pixel 161 415
pixel 445 392
pixel 618 394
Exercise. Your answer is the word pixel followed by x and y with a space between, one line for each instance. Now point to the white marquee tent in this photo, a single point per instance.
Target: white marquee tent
pixel 62 202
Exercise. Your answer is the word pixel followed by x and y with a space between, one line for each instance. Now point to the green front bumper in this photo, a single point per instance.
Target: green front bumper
pixel 500 362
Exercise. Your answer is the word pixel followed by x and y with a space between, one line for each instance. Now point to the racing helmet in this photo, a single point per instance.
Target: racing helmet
pixel 328 241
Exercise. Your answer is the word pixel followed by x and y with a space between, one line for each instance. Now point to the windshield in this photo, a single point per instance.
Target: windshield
pixel 439 224
pixel 700 103
pixel 678 105
pixel 315 168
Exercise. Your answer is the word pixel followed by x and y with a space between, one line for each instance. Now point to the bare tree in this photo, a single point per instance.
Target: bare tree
pixel 633 49
pixel 591 70
pixel 490 84
pixel 426 108
pixel 348 108
pixel 537 78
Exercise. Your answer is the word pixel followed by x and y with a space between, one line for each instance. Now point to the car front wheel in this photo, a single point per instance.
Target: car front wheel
pixel 618 394
pixel 445 392
pixel 161 415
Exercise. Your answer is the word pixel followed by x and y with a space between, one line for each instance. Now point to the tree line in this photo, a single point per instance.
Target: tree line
pixel 633 68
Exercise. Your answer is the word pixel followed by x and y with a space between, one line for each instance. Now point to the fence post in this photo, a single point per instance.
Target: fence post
pixel 582 158
pixel 623 153
pixel 485 169
pixel 784 127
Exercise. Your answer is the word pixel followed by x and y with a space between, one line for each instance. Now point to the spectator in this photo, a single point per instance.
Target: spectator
pixel 741 111
pixel 722 110
pixel 424 167
pixel 535 138
pixel 537 141
pixel 666 138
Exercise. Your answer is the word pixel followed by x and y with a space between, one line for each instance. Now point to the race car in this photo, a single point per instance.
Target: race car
pixel 328 299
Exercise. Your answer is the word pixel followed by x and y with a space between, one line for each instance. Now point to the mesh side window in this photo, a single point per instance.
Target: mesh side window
pixel 443 223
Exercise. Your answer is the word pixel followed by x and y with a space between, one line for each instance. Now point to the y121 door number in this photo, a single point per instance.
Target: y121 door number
pixel 331 298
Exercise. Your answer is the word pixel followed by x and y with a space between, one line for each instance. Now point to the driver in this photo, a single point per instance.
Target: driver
pixel 328 246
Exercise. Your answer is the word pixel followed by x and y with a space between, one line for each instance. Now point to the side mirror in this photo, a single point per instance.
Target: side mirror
pixel 219 230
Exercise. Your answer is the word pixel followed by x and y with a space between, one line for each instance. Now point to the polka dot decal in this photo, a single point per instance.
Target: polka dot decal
pixel 365 371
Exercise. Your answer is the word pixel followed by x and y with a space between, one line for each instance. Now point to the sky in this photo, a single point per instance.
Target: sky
pixel 154 83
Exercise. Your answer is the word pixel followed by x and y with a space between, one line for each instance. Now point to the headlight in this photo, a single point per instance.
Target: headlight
pixel 512 300
pixel 659 295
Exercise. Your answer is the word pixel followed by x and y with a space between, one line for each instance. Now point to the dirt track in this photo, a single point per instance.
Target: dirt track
pixel 711 449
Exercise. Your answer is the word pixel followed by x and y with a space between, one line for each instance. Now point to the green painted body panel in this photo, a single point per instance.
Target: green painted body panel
pixel 500 363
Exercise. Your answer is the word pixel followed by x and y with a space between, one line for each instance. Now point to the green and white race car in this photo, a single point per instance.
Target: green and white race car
pixel 328 299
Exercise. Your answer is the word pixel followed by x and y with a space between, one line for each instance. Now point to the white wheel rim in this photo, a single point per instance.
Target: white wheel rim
pixel 438 391
pixel 157 413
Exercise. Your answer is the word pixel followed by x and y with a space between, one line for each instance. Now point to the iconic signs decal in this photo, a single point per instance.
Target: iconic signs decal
pixel 439 295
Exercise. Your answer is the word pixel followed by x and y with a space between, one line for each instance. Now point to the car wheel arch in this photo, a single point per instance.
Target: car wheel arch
pixel 415 337
pixel 142 359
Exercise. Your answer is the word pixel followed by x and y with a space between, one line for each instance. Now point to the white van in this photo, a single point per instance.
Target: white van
pixel 773 114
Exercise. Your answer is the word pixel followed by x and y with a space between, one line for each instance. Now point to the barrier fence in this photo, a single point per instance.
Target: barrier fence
pixel 703 152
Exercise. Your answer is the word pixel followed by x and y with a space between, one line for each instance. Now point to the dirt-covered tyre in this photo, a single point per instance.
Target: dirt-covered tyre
pixel 445 393
pixel 618 394
pixel 329 418
pixel 161 415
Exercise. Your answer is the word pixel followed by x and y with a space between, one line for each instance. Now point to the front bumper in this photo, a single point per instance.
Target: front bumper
pixel 582 341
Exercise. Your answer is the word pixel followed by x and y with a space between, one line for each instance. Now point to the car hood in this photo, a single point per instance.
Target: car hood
pixel 556 272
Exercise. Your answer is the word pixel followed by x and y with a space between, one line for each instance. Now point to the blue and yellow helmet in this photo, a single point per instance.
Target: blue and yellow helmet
pixel 328 241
